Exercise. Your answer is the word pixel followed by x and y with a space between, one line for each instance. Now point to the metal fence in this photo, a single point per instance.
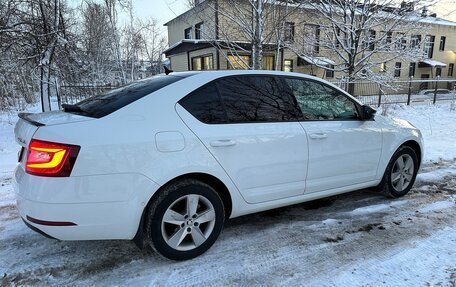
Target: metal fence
pixel 407 92
pixel 70 94
pixel 370 93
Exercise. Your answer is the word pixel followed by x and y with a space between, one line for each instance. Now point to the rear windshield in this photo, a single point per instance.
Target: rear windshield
pixel 101 105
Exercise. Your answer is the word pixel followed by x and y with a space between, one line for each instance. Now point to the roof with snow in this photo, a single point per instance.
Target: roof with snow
pixel 319 61
pixel 433 63
pixel 185 45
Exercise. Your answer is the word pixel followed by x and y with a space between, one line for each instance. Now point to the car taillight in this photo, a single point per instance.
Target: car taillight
pixel 50 159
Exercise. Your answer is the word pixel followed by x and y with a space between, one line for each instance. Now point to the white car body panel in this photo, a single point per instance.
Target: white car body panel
pixel 342 153
pixel 126 156
pixel 274 156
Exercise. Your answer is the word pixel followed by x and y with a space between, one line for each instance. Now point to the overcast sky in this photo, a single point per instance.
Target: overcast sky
pixel 162 10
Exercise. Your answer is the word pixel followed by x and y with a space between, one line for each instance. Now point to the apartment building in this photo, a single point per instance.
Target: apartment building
pixel 202 39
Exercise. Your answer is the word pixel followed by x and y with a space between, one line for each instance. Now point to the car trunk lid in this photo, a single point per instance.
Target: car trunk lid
pixel 28 124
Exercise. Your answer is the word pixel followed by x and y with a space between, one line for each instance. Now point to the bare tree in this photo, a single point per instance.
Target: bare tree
pixel 237 27
pixel 45 44
pixel 258 22
pixel 96 43
pixel 36 32
pixel 359 36
pixel 153 43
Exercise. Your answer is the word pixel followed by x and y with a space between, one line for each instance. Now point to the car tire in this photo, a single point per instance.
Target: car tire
pixel 400 174
pixel 185 219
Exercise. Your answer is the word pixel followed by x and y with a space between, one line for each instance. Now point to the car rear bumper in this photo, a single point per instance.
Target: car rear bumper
pixel 83 208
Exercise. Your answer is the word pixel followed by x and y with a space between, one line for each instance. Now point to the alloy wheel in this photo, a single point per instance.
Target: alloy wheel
pixel 188 222
pixel 402 172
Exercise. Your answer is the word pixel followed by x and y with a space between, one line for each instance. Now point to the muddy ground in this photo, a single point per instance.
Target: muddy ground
pixel 355 239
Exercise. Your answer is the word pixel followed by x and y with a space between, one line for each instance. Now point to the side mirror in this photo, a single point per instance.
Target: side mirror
pixel 367 113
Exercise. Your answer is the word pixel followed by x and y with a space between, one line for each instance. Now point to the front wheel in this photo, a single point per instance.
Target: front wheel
pixel 185 220
pixel 400 174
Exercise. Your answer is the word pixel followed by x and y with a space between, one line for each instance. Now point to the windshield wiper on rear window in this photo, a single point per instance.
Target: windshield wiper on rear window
pixel 72 108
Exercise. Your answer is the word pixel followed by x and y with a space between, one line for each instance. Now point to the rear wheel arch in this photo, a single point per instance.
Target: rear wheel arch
pixel 221 189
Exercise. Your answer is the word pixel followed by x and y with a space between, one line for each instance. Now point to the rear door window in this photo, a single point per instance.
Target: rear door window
pixel 111 101
pixel 256 99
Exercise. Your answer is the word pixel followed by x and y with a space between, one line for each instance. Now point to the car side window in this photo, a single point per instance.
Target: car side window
pixel 256 99
pixel 205 105
pixel 321 102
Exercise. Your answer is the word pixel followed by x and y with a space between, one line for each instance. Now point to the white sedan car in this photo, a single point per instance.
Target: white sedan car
pixel 166 160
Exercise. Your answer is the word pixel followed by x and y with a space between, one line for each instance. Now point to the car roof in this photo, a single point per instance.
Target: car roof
pixel 221 73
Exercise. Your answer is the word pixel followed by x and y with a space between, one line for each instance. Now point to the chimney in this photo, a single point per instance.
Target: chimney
pixel 425 11
pixel 407 6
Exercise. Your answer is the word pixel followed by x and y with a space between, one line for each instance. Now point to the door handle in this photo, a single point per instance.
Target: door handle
pixel 220 143
pixel 318 136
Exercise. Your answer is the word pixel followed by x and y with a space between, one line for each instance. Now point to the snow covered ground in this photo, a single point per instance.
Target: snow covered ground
pixel 356 239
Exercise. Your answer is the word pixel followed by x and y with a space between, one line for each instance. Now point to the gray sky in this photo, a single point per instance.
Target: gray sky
pixel 165 10
pixel 162 10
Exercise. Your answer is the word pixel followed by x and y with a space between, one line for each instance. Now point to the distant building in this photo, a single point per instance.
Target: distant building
pixel 194 44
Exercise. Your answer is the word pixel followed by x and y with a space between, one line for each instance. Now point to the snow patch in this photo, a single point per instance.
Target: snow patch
pixel 437 125
pixel 436 174
pixel 437 206
pixel 330 221
pixel 370 209
pixel 414 264
pixel 376 208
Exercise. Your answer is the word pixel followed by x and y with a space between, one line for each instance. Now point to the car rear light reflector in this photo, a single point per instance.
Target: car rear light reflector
pixel 50 159
pixel 50 223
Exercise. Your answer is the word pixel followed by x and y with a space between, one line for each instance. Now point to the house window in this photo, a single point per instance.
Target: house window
pixel 289 32
pixel 383 67
pixel 288 65
pixel 202 63
pixel 329 72
pixel 389 37
pixel 438 72
pixel 268 62
pixel 442 43
pixel 369 43
pixel 397 69
pixel 415 41
pixel 317 40
pixel 340 38
pixel 199 30
pixel 336 38
pixel 236 62
pixel 412 69
pixel 450 70
pixel 387 40
pixel 401 42
pixel 188 33
pixel 429 45
pixel 311 39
